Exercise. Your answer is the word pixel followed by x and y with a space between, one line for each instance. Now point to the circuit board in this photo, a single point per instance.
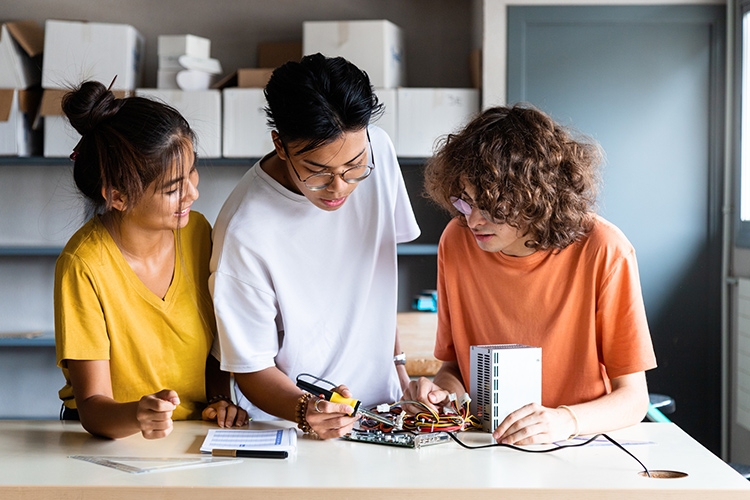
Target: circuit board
pixel 402 439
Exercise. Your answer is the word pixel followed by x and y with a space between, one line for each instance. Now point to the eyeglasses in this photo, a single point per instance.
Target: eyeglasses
pixel 322 180
pixel 465 208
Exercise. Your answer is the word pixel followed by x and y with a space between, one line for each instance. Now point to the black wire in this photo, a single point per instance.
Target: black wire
pixel 547 450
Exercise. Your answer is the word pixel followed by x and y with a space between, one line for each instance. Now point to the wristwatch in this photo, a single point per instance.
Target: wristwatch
pixel 399 359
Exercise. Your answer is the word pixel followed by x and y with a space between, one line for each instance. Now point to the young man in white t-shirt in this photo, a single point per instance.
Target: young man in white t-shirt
pixel 304 275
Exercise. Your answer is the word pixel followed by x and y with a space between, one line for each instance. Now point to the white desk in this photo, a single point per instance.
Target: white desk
pixel 34 465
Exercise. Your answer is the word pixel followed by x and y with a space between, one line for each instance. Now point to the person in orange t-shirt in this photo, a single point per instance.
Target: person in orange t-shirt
pixel 527 261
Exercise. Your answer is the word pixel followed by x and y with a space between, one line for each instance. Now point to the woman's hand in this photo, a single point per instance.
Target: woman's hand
pixel 154 413
pixel 331 420
pixel 225 414
pixel 536 424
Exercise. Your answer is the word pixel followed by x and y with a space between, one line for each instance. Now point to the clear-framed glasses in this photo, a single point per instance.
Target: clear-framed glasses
pixel 353 175
pixel 465 208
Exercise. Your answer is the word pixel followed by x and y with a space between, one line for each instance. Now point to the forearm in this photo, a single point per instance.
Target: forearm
pixel 103 416
pixel 626 405
pixel 217 381
pixel 449 378
pixel 403 375
pixel 271 391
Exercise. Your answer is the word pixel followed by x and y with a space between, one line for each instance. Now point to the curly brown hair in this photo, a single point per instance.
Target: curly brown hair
pixel 528 171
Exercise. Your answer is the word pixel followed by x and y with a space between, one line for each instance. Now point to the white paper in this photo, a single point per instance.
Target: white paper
pixel 270 440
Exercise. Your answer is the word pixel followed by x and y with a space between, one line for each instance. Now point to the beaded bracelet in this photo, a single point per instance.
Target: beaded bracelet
pixel 300 415
pixel 220 398
pixel 575 420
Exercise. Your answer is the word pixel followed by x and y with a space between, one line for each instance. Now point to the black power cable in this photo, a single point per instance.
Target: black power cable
pixel 547 450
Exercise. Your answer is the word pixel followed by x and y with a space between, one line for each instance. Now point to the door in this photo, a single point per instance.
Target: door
pixel 647 83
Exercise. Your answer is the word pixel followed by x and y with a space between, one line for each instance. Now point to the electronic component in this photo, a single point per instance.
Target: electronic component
pixel 402 439
pixel 504 378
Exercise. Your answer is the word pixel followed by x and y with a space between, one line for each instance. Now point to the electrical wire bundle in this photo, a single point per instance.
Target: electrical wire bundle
pixel 455 418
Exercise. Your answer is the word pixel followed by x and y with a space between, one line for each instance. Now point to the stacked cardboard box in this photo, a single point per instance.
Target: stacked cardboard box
pixel 185 63
pixel 21 45
pixel 414 118
pixel 246 134
pixel 202 110
pixel 75 52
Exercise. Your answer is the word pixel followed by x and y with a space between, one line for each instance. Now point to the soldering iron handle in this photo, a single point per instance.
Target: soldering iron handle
pixel 315 390
pixel 338 398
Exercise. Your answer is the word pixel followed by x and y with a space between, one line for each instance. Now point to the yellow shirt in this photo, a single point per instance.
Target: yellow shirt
pixel 104 311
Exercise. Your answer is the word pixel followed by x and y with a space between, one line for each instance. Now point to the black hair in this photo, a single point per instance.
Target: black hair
pixel 126 144
pixel 319 98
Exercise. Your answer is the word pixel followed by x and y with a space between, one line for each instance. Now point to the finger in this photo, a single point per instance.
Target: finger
pixel 344 391
pixel 232 413
pixel 242 418
pixel 323 406
pixel 168 395
pixel 209 413
pixel 221 415
pixel 529 434
pixel 155 404
pixel 157 433
pixel 439 396
pixel 512 419
pixel 333 427
pixel 430 394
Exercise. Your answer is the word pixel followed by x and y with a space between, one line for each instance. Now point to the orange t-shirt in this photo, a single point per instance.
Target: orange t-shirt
pixel 583 306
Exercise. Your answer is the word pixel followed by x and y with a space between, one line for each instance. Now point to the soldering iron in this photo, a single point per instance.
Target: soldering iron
pixel 335 397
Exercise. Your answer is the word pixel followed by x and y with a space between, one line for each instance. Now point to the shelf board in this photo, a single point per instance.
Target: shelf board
pixel 46 339
pixel 42 161
pixel 416 249
pixel 13 251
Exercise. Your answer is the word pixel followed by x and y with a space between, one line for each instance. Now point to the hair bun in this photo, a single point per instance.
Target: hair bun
pixel 88 105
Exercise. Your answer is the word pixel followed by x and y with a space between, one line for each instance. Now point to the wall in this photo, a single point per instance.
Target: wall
pixel 703 396
pixel 494 42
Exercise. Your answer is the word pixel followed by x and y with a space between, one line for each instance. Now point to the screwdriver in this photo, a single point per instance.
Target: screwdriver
pixel 335 397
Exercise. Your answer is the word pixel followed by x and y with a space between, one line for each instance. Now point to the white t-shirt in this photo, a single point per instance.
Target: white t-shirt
pixel 312 291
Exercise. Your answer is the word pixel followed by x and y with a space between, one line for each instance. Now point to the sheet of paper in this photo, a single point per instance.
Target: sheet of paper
pixel 272 440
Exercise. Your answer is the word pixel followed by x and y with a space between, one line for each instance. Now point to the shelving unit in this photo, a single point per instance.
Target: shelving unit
pixel 40 208
pixel 28 253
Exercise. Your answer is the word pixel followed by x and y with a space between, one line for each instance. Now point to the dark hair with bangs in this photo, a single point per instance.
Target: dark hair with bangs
pixel 126 144
pixel 528 171
pixel 317 99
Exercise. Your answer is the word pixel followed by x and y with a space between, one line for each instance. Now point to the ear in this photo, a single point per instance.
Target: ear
pixel 118 200
pixel 278 145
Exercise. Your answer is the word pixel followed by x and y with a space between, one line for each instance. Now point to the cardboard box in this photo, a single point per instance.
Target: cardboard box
pixel 184 79
pixel 246 134
pixel 17 112
pixel 21 45
pixel 427 114
pixel 166 79
pixel 59 135
pixel 475 68
pixel 376 47
pixel 388 121
pixel 246 78
pixel 76 51
pixel 274 54
pixel 178 45
pixel 202 110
